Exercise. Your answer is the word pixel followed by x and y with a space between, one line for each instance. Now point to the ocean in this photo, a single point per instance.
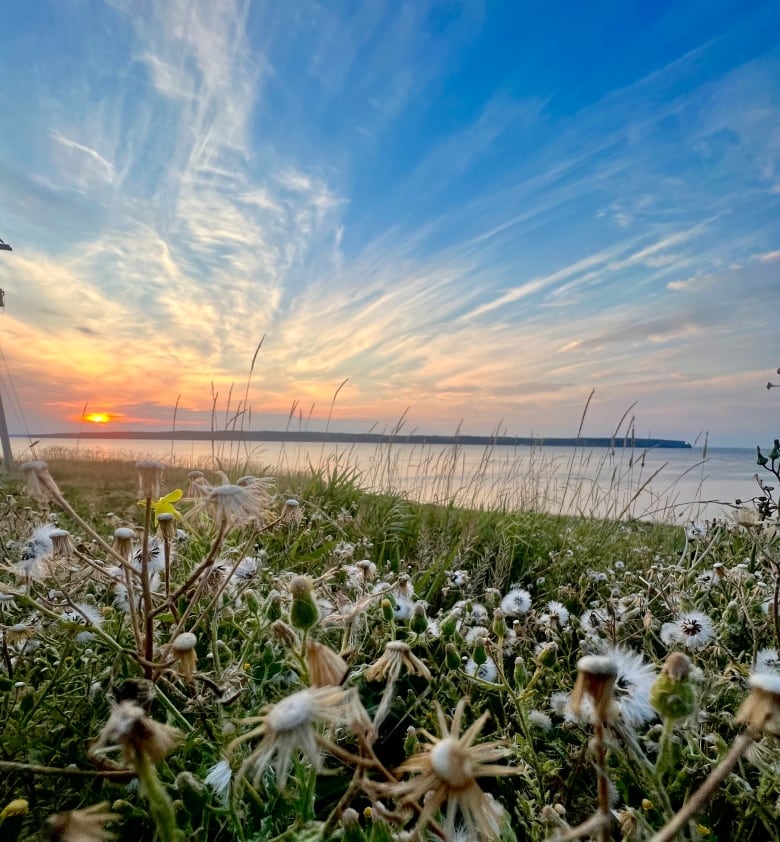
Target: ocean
pixel 678 485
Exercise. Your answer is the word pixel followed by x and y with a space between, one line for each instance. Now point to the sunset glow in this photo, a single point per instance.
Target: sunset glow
pixel 98 417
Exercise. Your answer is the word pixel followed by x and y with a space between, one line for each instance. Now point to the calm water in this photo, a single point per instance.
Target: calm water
pixel 670 484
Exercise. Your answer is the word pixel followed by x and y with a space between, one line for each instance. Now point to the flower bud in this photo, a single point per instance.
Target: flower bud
pixel 451 657
pixel 672 694
pixel 304 612
pixel 419 622
pixel 387 610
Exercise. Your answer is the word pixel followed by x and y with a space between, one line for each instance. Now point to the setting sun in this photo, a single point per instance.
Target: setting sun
pixel 98 417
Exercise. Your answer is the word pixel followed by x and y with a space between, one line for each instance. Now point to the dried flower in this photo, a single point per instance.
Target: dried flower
pixel 232 505
pixel 62 546
pixel 516 602
pixel 761 710
pixel 87 825
pixel 596 676
pixel 692 629
pixel 149 477
pixel 182 648
pixel 199 486
pixel 132 732
pixel 123 541
pixel 326 668
pixel 289 725
pixel 219 777
pixel 397 654
pixel 40 483
pixel 447 769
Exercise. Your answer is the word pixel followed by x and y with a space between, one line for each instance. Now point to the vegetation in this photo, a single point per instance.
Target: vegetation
pixel 301 659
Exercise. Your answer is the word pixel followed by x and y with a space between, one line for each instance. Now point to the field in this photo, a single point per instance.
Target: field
pixel 210 656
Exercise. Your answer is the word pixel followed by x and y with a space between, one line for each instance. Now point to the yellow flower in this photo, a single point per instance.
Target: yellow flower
pixel 164 506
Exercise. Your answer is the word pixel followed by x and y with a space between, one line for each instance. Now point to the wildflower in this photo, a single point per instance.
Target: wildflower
pixel 155 554
pixel 87 825
pixel 166 526
pixel 403 608
pixel 516 602
pixel 132 732
pixel 446 770
pixel 594 621
pixel 19 632
pixel 182 647
pixel 458 578
pixel 247 569
pixel 164 506
pixel 218 778
pixel 761 710
pixel 149 476
pixel 397 654
pixel 289 725
pixel 693 630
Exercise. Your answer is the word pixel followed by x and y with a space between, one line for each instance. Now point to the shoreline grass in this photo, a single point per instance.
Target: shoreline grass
pixel 495 605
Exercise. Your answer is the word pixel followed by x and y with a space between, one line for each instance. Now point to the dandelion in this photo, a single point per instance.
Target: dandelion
pixel 130 731
pixel 247 569
pixel 446 771
pixel 397 655
pixel 632 686
pixel 123 541
pixel 149 476
pixel 403 608
pixel 767 660
pixel 325 667
pixel 218 778
pixel 594 621
pixel 556 616
pixel 199 487
pixel 19 633
pixel 62 546
pixel 289 726
pixel 486 671
pixel 37 550
pixel 539 719
pixel 182 647
pixel 232 505
pixel 693 630
pixel 39 482
pixel 516 602
pixel 596 676
pixel 87 825
pixel 83 614
pixel 761 710
pixel 292 514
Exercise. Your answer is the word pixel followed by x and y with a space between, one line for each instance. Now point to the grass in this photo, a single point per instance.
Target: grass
pixel 354 570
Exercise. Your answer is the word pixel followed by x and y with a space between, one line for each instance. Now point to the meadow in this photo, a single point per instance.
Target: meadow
pixel 226 654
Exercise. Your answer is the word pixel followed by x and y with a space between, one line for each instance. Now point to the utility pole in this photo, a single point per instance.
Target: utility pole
pixel 8 459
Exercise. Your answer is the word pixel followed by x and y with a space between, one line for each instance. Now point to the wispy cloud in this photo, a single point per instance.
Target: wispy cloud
pixel 358 187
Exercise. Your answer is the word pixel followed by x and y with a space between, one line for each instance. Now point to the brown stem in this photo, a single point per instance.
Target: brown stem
pixel 146 586
pixel 699 798
pixel 11 766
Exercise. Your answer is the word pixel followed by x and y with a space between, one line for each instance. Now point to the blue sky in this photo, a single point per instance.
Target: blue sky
pixel 479 211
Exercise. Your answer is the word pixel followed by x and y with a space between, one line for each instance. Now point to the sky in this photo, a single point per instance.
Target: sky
pixel 436 215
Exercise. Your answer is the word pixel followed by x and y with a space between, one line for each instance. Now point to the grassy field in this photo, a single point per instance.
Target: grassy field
pixel 298 659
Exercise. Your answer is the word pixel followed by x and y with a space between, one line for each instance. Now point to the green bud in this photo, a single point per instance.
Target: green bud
pixel 273 610
pixel 387 610
pixel 451 657
pixel 449 625
pixel 548 654
pixel 672 694
pixel 521 673
pixel 419 622
pixel 479 654
pixel 499 624
pixel 304 612
pixel 193 792
pixel 410 742
pixel 251 601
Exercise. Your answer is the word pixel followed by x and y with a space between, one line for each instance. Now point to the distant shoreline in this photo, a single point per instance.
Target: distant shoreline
pixel 370 438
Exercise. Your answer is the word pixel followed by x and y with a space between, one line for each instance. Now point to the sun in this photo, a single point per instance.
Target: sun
pixel 98 417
